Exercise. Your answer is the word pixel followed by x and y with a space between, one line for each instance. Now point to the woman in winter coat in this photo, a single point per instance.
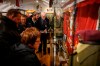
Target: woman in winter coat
pixel 24 54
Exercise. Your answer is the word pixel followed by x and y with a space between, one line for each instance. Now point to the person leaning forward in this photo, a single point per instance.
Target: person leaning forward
pixel 8 34
pixel 23 54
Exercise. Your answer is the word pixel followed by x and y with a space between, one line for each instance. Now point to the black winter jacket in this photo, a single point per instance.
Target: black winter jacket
pixel 30 23
pixel 42 24
pixel 8 32
pixel 8 37
pixel 22 55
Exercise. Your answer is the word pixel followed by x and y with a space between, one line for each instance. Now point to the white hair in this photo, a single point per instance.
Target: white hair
pixel 43 13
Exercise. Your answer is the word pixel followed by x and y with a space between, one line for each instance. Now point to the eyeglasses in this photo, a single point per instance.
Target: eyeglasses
pixel 37 41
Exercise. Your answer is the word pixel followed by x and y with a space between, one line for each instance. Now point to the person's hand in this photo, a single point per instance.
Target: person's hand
pixel 45 31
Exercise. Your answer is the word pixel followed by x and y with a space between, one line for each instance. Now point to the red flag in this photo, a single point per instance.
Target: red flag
pixel 17 3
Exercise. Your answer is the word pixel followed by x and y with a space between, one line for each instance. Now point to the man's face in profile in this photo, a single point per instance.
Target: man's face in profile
pixel 17 19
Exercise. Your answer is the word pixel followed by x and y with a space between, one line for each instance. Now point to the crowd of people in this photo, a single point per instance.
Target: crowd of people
pixel 21 37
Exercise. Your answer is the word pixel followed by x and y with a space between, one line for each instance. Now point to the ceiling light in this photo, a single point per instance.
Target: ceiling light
pixel 37 1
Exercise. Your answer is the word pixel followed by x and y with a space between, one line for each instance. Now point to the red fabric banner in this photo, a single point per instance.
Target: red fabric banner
pixel 86 19
pixel 17 3
pixel 88 2
pixel 66 31
pixel 87 15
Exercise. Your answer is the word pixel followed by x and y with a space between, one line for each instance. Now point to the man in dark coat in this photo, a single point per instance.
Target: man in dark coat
pixel 32 20
pixel 8 34
pixel 43 26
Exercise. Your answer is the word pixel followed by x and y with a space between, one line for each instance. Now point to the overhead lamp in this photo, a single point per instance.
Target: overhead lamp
pixel 62 0
pixel 37 1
